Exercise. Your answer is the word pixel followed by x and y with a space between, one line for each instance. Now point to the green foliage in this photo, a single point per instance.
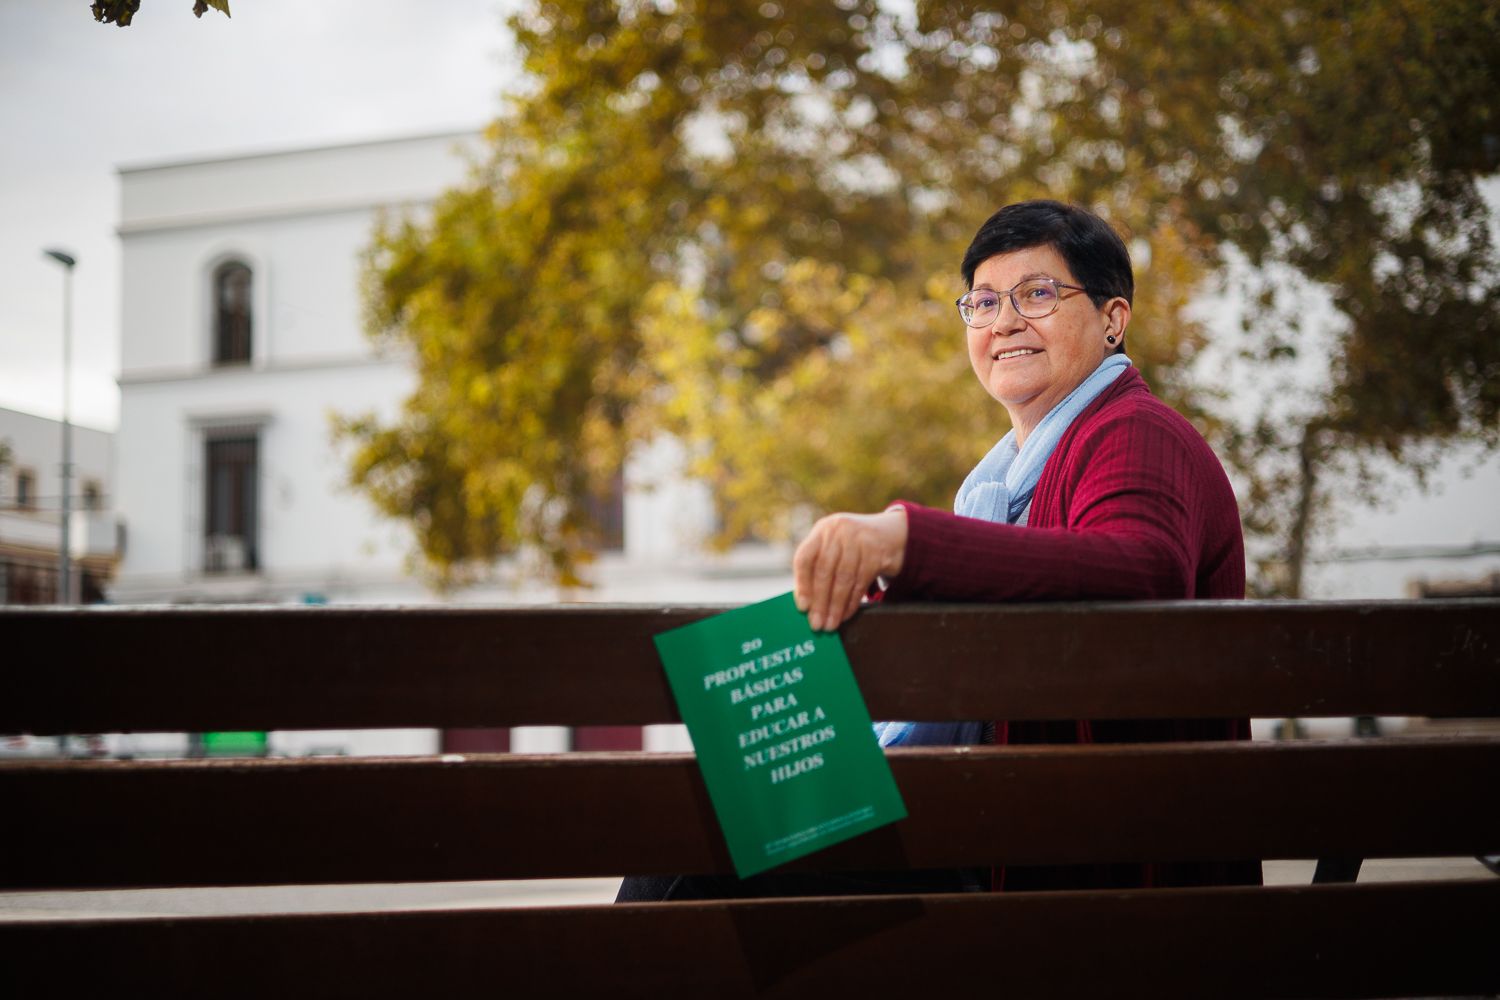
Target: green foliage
pixel 1332 148
pixel 1337 149
pixel 693 221
pixel 120 12
pixel 740 224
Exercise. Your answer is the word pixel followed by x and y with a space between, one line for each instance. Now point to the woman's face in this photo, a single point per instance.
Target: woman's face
pixel 1029 365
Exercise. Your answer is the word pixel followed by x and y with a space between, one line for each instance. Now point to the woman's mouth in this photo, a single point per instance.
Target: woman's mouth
pixel 1019 352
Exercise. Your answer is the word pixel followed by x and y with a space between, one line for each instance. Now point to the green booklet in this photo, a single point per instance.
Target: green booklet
pixel 781 732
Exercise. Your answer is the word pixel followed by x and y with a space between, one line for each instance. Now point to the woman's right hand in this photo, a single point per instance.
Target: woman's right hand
pixel 839 560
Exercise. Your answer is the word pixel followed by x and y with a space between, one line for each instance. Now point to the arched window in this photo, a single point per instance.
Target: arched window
pixel 232 287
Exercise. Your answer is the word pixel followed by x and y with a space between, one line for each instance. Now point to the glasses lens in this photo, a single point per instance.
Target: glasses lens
pixel 1035 299
pixel 979 308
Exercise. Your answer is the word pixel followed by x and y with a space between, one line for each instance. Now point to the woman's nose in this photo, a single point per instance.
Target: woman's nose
pixel 1007 320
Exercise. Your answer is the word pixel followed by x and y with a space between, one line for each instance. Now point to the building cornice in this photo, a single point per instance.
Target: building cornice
pixel 195 373
pixel 206 220
pixel 457 135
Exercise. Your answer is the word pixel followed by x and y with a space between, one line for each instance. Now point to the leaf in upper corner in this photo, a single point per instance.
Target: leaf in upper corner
pixel 201 6
pixel 117 12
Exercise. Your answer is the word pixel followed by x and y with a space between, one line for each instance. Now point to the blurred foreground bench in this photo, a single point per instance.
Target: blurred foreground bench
pixel 92 824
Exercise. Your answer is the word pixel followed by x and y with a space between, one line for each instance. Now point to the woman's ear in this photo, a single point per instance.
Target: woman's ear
pixel 1116 314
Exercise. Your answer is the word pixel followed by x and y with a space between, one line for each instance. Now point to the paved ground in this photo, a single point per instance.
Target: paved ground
pixel 303 899
pixel 1379 870
pixel 445 895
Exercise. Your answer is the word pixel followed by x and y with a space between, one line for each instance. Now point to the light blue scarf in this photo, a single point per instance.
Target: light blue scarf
pixel 1000 489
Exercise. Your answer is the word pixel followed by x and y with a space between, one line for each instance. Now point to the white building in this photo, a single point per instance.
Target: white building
pixel 31 511
pixel 242 336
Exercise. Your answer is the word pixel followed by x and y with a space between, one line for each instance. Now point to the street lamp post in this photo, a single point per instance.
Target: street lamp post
pixel 65 555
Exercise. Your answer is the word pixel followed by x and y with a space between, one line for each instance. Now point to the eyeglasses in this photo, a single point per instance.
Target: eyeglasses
pixel 1032 298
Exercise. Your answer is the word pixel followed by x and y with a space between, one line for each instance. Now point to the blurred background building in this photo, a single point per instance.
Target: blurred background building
pixel 31 511
pixel 242 336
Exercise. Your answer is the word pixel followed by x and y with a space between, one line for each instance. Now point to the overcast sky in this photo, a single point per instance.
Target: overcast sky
pixel 79 98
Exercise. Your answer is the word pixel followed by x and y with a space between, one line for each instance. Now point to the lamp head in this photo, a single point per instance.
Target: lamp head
pixel 62 257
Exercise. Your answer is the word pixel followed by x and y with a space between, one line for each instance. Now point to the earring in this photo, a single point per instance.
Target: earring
pixel 1110 340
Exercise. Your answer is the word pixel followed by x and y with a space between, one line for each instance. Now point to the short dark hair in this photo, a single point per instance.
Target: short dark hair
pixel 1093 251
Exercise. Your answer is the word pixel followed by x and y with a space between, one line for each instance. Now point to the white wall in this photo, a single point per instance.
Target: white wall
pixel 301 221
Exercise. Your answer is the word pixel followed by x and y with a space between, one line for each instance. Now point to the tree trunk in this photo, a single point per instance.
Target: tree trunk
pixel 1309 458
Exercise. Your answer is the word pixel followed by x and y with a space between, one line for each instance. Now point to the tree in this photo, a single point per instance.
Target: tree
pixel 1317 149
pixel 120 12
pixel 740 226
pixel 692 222
pixel 1344 152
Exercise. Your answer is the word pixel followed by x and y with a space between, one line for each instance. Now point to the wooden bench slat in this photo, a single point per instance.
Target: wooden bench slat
pixel 108 823
pixel 1328 941
pixel 193 670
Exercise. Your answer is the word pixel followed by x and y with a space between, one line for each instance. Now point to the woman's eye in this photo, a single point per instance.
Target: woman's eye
pixel 984 302
pixel 1039 292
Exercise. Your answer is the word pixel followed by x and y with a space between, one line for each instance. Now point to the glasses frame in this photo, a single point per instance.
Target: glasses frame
pixel 1010 293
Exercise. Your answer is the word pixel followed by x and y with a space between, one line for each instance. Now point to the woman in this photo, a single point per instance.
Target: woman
pixel 1098 491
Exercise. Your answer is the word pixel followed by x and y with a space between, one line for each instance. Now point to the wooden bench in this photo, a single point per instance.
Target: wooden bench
pixel 91 824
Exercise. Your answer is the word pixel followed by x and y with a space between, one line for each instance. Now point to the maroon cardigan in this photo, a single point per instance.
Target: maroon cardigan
pixel 1132 505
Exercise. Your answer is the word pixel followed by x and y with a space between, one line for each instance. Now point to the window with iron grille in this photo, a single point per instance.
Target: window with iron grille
pixel 232 319
pixel 231 542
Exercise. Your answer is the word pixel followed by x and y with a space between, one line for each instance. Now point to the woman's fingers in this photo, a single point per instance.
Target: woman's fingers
pixel 832 570
pixel 856 595
pixel 812 569
pixel 849 581
pixel 803 565
pixel 839 560
pixel 822 581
